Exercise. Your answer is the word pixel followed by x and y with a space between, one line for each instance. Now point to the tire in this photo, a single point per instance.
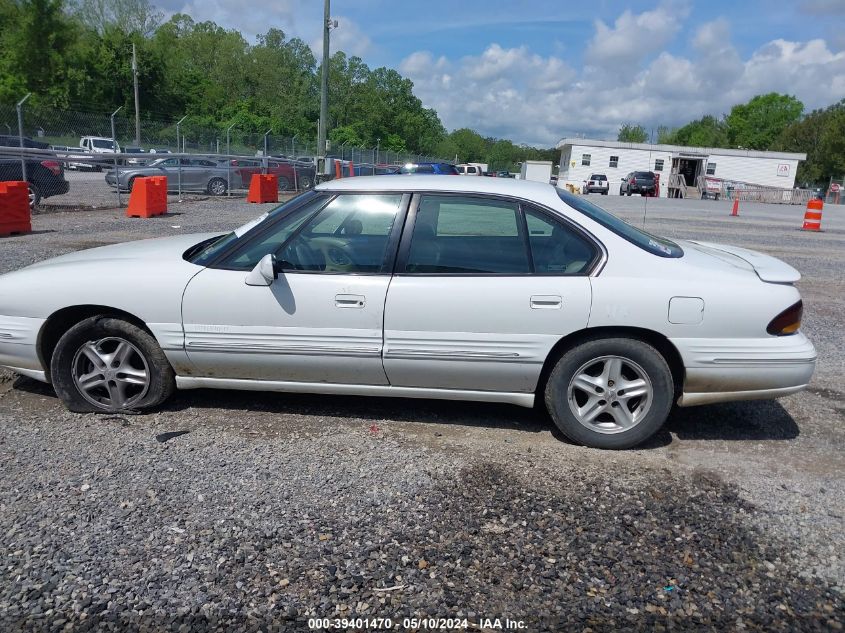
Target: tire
pixel 604 193
pixel 305 182
pixel 144 379
pixel 284 183
pixel 130 185
pixel 217 187
pixel 34 196
pixel 569 402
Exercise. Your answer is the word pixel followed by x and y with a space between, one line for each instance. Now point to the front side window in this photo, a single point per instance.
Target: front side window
pixel 585 159
pixel 465 234
pixel 556 248
pixel 350 235
pixel 614 161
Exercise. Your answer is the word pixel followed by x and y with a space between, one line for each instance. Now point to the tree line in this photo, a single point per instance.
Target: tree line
pixel 767 122
pixel 76 54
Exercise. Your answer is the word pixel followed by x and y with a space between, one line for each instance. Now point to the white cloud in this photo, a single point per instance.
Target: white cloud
pixel 634 36
pixel 513 93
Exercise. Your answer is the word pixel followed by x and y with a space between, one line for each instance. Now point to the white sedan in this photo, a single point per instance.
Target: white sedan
pixel 424 287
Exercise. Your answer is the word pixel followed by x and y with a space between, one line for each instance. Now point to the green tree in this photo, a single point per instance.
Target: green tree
pixel 758 123
pixel 821 135
pixel 629 133
pixel 708 131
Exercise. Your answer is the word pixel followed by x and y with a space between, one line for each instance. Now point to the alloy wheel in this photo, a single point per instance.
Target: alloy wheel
pixel 111 373
pixel 610 394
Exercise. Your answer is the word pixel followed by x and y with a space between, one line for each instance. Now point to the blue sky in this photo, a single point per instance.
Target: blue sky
pixel 537 70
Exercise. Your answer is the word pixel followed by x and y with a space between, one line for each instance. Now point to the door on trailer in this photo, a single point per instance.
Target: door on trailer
pixel 484 288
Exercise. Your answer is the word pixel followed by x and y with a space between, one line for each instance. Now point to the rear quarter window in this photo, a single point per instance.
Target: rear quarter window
pixel 653 244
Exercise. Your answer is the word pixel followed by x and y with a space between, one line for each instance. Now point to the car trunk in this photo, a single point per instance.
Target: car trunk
pixel 768 268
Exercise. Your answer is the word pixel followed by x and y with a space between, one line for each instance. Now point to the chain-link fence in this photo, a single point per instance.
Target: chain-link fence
pixel 99 154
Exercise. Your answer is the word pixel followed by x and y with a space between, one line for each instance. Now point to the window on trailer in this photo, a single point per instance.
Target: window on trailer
pixel 585 160
pixel 711 169
pixel 658 164
pixel 614 161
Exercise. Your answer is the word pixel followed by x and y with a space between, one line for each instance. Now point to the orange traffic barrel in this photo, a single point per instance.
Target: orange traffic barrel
pixel 813 215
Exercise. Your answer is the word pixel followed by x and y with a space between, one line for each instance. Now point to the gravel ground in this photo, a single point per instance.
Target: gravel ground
pixel 269 509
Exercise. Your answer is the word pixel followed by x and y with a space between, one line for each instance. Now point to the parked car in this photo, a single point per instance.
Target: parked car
pixel 284 172
pixel 423 288
pixel 597 183
pixel 196 174
pixel 139 156
pixel 96 146
pixel 442 169
pixel 11 140
pixel 45 175
pixel 641 182
pixel 504 174
pixel 471 169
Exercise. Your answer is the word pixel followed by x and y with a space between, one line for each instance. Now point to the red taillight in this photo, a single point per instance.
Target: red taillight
pixel 633 181
pixel 788 321
pixel 53 166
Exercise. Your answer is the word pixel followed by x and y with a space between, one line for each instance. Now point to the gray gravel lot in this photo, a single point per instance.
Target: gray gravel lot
pixel 275 508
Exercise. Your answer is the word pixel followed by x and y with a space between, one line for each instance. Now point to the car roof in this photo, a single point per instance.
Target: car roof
pixel 505 186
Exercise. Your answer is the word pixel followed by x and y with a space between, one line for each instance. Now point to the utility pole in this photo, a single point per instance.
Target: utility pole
pixel 328 24
pixel 137 105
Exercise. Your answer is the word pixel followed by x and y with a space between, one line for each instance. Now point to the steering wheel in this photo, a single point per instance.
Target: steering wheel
pixel 337 254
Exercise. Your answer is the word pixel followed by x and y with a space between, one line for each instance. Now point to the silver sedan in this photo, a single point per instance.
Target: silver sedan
pixel 194 174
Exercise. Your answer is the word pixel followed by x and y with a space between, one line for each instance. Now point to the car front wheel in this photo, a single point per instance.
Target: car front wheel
pixel 105 364
pixel 610 393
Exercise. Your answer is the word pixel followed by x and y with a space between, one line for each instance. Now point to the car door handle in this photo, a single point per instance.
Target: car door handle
pixel 546 302
pixel 349 301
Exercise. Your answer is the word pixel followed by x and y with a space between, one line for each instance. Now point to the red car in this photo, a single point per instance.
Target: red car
pixel 288 179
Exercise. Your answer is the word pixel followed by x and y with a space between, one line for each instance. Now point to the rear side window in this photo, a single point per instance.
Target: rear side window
pixel 655 245
pixel 462 234
pixel 556 248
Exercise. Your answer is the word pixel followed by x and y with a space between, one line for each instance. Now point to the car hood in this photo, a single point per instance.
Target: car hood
pixel 768 268
pixel 157 249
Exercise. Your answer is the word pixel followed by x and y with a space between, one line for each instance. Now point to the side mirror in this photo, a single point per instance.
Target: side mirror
pixel 264 272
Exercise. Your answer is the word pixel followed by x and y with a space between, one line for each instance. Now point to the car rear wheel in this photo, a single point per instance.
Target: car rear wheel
pixel 284 183
pixel 305 182
pixel 34 195
pixel 105 364
pixel 217 187
pixel 610 393
pixel 131 184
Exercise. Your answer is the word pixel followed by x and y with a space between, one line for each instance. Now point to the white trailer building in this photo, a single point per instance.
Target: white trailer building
pixel 684 171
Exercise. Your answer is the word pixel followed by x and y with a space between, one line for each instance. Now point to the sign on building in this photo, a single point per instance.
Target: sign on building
pixel 783 170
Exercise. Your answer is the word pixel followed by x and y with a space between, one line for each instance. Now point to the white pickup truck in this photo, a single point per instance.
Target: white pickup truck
pixel 95 145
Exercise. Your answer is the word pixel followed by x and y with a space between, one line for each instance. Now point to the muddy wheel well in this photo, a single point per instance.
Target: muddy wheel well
pixel 62 320
pixel 655 339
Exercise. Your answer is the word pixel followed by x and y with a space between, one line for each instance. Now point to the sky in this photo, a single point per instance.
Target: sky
pixel 536 71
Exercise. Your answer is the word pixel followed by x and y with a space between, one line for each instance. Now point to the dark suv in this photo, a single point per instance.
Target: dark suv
pixel 46 176
pixel 641 182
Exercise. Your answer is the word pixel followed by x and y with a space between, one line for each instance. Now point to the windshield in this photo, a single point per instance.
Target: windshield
pixel 103 144
pixel 205 252
pixel 655 245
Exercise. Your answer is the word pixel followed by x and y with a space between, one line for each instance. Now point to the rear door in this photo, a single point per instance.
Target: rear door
pixel 484 288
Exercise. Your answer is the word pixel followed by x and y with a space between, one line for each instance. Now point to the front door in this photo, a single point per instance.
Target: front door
pixel 322 319
pixel 484 289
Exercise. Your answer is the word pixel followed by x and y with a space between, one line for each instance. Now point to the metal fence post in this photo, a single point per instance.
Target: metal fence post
pixel 179 157
pixel 228 162
pixel 114 148
pixel 266 152
pixel 20 134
